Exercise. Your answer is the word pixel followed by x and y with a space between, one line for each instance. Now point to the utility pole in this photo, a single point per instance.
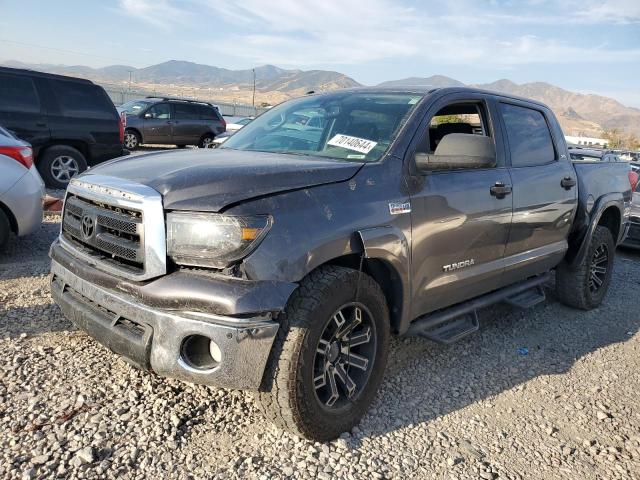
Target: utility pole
pixel 130 79
pixel 253 102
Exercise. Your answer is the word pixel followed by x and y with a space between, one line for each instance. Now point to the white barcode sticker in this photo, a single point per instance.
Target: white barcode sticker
pixel 361 145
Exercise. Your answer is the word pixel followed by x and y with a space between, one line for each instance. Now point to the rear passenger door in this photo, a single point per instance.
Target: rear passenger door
pixel 544 191
pixel 187 126
pixel 21 110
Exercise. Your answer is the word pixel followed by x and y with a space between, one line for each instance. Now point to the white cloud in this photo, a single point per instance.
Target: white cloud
pixel 343 32
pixel 159 13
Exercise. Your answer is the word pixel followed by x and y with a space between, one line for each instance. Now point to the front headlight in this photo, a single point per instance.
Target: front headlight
pixel 211 239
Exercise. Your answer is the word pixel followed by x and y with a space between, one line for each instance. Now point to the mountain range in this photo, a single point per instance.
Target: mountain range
pixel 579 114
pixel 584 114
pixel 178 72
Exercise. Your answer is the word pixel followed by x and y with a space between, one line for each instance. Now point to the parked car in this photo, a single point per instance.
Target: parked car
pixel 70 122
pixel 231 129
pixel 236 123
pixel 220 139
pixel 282 263
pixel 630 156
pixel 21 188
pixel 171 121
pixel 589 155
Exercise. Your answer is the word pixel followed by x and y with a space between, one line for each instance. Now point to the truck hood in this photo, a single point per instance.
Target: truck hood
pixel 211 179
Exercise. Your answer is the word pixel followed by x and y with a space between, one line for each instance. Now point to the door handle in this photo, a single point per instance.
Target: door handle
pixel 500 190
pixel 169 122
pixel 567 183
pixel 41 124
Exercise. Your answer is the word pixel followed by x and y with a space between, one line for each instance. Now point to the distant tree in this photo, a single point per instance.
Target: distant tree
pixel 632 142
pixel 440 119
pixel 614 138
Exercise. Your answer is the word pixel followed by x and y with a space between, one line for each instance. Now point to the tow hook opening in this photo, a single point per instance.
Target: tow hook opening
pixel 200 352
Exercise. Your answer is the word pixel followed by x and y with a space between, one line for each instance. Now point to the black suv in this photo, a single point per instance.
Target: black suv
pixel 171 121
pixel 70 122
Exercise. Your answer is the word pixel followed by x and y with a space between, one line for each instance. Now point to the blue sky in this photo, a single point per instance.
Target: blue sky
pixel 582 45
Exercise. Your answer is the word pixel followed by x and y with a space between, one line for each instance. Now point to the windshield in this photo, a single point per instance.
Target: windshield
pixel 134 107
pixel 344 125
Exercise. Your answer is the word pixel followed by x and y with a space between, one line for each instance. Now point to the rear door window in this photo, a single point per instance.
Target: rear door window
pixel 83 100
pixel 528 134
pixel 186 111
pixel 18 94
pixel 208 113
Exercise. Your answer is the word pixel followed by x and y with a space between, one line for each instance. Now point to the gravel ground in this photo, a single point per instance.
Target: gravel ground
pixel 567 407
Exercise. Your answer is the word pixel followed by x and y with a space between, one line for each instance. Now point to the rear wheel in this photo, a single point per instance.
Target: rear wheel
pixel 329 356
pixel 586 285
pixel 5 230
pixel 59 164
pixel 206 141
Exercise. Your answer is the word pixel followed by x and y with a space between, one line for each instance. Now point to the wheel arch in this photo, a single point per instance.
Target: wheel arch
pixel 79 145
pixel 385 275
pixel 135 130
pixel 607 211
pixel 13 223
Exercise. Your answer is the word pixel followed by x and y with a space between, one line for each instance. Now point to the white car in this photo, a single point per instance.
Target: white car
pixel 21 188
pixel 236 123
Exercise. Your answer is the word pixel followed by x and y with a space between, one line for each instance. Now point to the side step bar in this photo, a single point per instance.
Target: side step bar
pixel 453 323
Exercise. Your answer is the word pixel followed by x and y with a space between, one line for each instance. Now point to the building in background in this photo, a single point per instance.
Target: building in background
pixel 587 141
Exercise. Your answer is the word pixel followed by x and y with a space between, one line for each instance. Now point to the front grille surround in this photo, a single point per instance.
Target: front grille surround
pixel 128 218
pixel 116 232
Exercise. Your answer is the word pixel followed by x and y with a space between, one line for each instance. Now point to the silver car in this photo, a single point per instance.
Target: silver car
pixel 21 188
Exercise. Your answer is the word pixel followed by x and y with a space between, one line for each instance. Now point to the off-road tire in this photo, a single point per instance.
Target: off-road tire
pixel 572 284
pixel 287 396
pixel 5 230
pixel 46 160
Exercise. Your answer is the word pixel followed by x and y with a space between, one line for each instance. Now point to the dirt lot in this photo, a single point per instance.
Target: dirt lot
pixel 544 393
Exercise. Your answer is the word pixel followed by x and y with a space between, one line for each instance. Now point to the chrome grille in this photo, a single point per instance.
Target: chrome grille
pixel 106 231
pixel 128 239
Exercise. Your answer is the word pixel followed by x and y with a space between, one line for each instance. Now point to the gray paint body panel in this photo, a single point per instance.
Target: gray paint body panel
pixel 326 209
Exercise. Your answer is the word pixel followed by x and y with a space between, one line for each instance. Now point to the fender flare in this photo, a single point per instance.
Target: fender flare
pixel 604 202
pixel 389 244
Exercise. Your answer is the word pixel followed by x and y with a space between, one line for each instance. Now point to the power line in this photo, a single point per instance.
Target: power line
pixel 62 50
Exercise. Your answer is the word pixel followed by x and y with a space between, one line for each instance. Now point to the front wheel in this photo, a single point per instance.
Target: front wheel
pixel 585 285
pixel 131 140
pixel 329 356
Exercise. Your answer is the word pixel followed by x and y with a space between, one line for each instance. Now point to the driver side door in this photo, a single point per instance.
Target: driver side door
pixel 460 226
pixel 158 124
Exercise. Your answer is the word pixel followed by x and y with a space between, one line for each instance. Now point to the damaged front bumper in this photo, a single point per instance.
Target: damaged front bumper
pixel 158 339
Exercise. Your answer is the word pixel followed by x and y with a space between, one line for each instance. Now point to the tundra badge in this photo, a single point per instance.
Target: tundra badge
pixel 398 208
pixel 458 265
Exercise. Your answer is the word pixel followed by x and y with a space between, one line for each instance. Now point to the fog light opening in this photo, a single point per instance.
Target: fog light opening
pixel 200 352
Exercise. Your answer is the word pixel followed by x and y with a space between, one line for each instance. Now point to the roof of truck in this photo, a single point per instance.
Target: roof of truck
pixel 35 73
pixel 427 90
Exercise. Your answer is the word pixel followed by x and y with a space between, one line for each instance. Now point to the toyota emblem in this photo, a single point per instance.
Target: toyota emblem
pixel 87 226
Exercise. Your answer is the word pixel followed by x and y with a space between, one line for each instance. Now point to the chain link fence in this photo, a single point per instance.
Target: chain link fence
pixel 120 96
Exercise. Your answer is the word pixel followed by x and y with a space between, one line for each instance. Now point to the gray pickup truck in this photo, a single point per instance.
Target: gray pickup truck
pixel 283 261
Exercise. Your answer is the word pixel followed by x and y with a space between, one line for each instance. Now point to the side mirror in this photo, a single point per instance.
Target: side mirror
pixel 147 115
pixel 459 150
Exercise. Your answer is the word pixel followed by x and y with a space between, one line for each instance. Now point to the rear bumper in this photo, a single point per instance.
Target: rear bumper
pixel 24 200
pixel 153 339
